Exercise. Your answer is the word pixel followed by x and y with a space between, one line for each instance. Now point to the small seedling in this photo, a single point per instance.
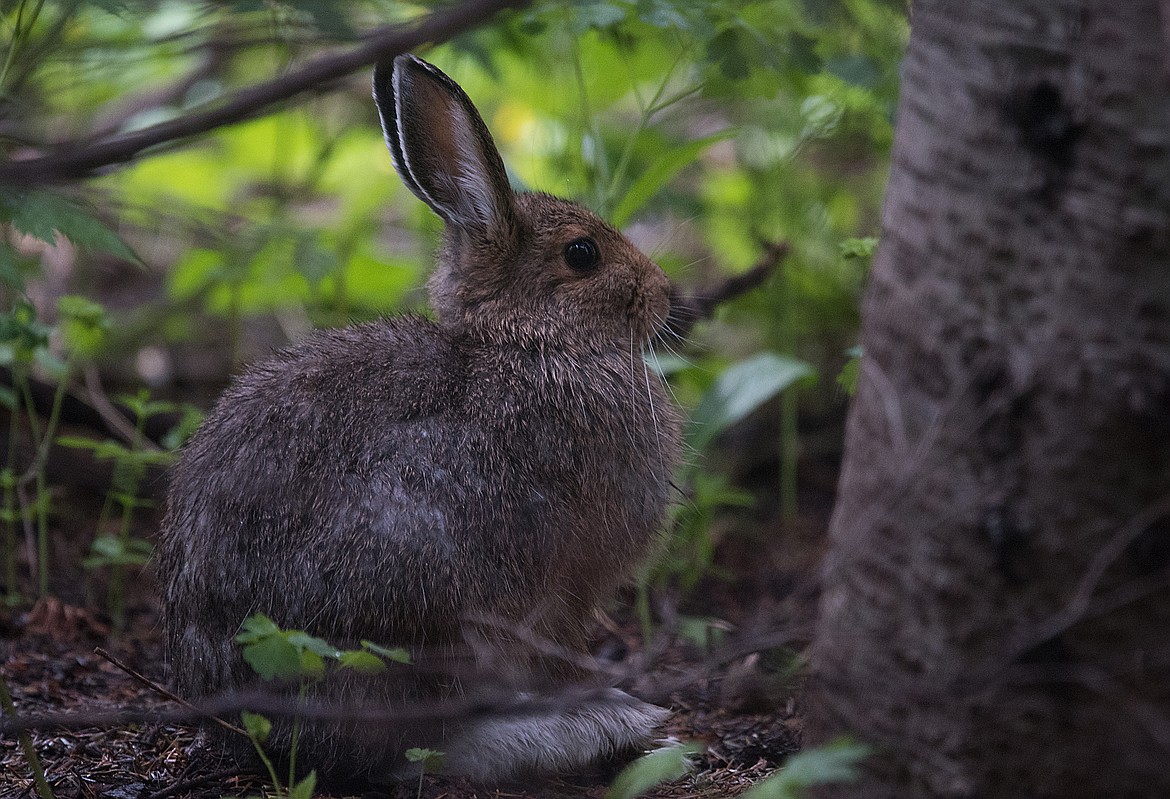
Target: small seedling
pixel 24 344
pixel 121 551
pixel 835 762
pixel 428 759
pixel 294 655
pixel 651 770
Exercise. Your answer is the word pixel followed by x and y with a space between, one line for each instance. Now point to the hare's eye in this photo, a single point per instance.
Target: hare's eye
pixel 582 254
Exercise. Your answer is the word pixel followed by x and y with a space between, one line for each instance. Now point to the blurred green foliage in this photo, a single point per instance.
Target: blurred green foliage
pixel 704 128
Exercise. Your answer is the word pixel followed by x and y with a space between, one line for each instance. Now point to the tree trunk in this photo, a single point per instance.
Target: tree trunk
pixel 996 612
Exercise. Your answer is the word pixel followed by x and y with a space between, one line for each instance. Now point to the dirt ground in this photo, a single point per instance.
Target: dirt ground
pixel 737 696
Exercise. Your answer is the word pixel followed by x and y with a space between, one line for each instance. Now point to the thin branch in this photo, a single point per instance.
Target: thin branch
pixel 114 419
pixel 81 158
pixel 687 309
pixel 163 692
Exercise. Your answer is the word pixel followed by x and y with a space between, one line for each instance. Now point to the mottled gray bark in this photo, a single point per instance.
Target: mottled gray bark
pixel 996 613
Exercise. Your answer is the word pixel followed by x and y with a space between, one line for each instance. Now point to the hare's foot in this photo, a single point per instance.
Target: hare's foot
pixel 551 734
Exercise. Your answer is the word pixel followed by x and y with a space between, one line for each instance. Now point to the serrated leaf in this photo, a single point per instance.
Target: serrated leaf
pixel 42 214
pixel 257 727
pixel 650 770
pixel 660 173
pixel 834 762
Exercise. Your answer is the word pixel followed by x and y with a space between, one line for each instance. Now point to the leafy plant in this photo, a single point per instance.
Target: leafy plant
pixel 24 343
pixel 428 760
pixel 651 770
pixel 836 761
pixel 296 656
pixel 121 551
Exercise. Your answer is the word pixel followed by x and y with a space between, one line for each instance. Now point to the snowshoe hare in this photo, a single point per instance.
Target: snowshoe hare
pixel 398 480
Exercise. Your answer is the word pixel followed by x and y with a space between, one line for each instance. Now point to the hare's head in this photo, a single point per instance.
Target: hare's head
pixel 515 267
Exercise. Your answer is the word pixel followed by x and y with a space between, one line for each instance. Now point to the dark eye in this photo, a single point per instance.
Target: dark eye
pixel 582 254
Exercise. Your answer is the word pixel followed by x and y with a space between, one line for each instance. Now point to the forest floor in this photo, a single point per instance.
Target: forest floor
pixel 734 694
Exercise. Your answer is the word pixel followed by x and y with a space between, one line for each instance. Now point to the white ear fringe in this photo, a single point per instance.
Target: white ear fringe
pixel 479 200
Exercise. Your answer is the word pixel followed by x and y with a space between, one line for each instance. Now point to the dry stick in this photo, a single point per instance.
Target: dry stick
pixel 77 159
pixel 100 402
pixel 158 689
pixel 688 309
pixel 184 785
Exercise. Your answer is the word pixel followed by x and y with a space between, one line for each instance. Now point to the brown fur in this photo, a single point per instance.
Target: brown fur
pixel 394 480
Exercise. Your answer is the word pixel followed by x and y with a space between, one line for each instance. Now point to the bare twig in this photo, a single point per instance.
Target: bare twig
pixel 688 309
pixel 78 159
pixel 182 786
pixel 163 692
pixel 111 416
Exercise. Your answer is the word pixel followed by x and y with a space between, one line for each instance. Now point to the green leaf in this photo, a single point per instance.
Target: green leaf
pixel 256 627
pixel 597 15
pixel 836 761
pixel 362 661
pixel 257 727
pixel 83 310
pixel 188 423
pixel 310 665
pixel 653 769
pixel 304 789
pixel 42 214
pixel 395 654
pixel 851 371
pixel 273 658
pixel 304 641
pixel 431 759
pixel 742 388
pixel 702 632
pixel 727 50
pixel 54 367
pixel 661 172
pixel 858 248
pixel 10 274
pixel 108 550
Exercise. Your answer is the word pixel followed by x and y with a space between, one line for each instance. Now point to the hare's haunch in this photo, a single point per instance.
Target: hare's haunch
pixel 462 485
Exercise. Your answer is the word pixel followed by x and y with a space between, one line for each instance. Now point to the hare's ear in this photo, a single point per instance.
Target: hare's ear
pixel 442 148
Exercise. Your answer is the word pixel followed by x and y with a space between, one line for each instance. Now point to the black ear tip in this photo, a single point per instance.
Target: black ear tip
pixel 384 77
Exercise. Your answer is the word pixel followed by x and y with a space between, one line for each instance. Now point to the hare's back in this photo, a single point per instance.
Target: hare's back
pixel 314 489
